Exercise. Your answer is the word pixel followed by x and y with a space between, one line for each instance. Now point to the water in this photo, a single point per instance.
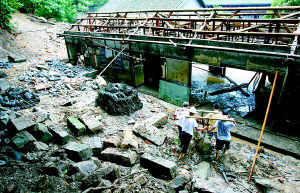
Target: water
pixel 202 85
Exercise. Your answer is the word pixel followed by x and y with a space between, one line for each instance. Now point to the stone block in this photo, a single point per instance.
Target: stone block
pixel 4 84
pixel 22 138
pixel 108 171
pixel 38 146
pixel 76 126
pixel 159 167
pixel 119 156
pixel 179 182
pixel 210 186
pixel 4 119
pixel 129 140
pixel 96 145
pixel 77 151
pixel 202 171
pixel 204 145
pixel 112 141
pixel 158 120
pixel 93 124
pixel 91 74
pixel 16 59
pixel 41 133
pixel 60 135
pixel 150 133
pixel 86 167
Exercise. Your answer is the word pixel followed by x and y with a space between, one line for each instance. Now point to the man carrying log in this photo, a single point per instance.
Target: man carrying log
pixel 180 114
pixel 223 136
pixel 188 130
pixel 212 121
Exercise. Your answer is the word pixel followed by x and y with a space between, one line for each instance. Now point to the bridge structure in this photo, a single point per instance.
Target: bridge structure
pixel 158 47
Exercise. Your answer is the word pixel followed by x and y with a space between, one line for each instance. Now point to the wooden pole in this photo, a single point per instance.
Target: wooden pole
pixel 219 119
pixel 263 127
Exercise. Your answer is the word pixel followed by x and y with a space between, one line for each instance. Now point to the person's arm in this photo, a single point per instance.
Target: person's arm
pixel 200 129
pixel 233 121
pixel 213 127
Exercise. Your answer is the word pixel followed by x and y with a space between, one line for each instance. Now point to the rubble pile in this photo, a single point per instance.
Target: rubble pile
pixel 16 98
pixel 119 99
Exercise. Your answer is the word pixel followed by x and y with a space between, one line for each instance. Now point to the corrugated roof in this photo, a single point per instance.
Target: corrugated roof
pixel 238 2
pixel 133 5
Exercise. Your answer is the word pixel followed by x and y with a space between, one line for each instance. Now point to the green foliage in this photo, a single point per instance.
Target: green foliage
pixel 7 8
pixel 29 6
pixel 286 3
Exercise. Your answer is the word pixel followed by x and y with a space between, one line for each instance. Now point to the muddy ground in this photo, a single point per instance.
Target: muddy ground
pixel 24 170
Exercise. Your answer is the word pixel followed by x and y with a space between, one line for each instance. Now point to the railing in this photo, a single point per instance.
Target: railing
pixel 262 25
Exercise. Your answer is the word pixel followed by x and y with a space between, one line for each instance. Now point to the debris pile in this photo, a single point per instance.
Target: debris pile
pixel 119 99
pixel 17 98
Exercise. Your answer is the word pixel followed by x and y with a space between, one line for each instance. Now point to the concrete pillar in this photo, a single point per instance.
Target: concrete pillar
pixel 72 54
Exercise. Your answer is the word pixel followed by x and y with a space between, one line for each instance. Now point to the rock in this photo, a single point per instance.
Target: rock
pixel 4 84
pixel 22 138
pixel 38 146
pixel 76 126
pixel 91 74
pixel 204 145
pixel 4 119
pixel 119 156
pixel 150 132
pixel 212 185
pixel 41 133
pixel 57 168
pixel 108 171
pixel 119 99
pixel 264 185
pixel 16 59
pixel 158 120
pixel 60 136
pixel 202 171
pixel 96 145
pixel 20 124
pixel 86 167
pixel 100 82
pixel 129 140
pixel 78 151
pixel 93 124
pixel 179 182
pixel 113 141
pixel 158 166
pixel 141 179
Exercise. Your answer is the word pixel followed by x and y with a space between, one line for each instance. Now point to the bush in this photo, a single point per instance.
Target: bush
pixel 7 8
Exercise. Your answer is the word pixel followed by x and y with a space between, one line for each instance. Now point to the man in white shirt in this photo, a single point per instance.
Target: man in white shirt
pixel 188 131
pixel 224 136
pixel 180 115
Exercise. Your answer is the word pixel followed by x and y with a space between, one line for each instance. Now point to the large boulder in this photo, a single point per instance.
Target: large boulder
pixel 119 99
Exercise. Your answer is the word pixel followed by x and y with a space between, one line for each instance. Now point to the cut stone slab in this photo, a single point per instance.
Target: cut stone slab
pixel 150 132
pixel 92 123
pixel 179 182
pixel 96 145
pixel 41 133
pixel 38 146
pixel 4 84
pixel 16 59
pixel 158 120
pixel 76 126
pixel 112 141
pixel 129 140
pixel 4 119
pixel 212 185
pixel 202 171
pixel 119 156
pixel 60 135
pixel 22 139
pixel 86 167
pixel 17 124
pixel 77 151
pixel 159 167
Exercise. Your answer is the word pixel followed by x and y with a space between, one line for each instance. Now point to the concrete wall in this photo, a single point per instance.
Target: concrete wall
pixel 178 71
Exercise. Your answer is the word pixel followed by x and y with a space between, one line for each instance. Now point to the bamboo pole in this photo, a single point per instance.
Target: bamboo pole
pixel 263 127
pixel 219 119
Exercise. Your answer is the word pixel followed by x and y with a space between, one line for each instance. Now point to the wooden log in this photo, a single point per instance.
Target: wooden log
pixel 229 89
pixel 203 118
pixel 240 88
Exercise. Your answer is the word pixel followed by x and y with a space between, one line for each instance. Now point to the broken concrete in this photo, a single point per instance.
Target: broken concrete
pixel 202 171
pixel 119 156
pixel 96 145
pixel 112 141
pixel 41 133
pixel 4 84
pixel 86 167
pixel 78 151
pixel 150 132
pixel 38 146
pixel 159 167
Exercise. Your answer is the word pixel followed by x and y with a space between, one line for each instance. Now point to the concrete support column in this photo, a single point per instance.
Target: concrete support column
pixel 71 49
